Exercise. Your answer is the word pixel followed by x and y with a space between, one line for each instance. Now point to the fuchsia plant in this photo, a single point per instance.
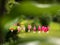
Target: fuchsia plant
pixel 40 29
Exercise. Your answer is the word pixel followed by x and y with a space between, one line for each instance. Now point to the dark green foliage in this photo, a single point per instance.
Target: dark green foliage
pixel 30 17
pixel 26 30
pixel 58 1
pixel 56 18
pixel 18 0
pixel 45 19
pixel 12 35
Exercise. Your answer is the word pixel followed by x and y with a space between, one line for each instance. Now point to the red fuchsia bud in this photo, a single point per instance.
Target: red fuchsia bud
pixel 34 28
pixel 39 28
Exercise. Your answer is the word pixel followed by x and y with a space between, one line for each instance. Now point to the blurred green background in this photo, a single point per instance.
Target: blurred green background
pixel 35 12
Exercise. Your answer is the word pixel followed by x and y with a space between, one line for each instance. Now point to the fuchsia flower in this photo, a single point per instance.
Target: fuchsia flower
pixel 45 29
pixel 18 28
pixel 29 27
pixel 39 28
pixel 34 28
